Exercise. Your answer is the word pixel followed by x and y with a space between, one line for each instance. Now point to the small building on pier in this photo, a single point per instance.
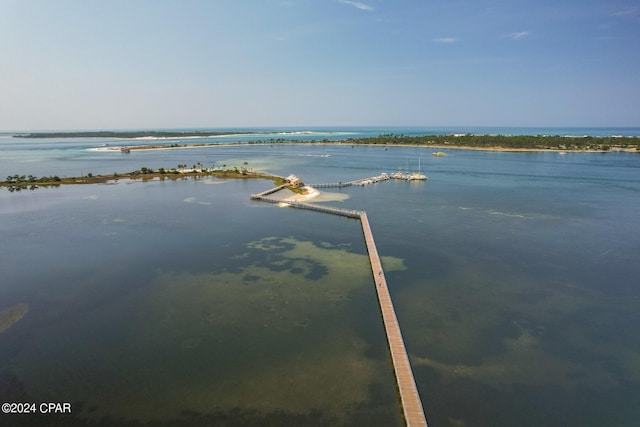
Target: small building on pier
pixel 294 181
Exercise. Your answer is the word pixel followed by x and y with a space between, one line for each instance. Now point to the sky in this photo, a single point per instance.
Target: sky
pixel 142 64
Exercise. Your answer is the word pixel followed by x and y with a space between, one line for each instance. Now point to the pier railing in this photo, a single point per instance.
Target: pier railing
pixel 269 191
pixel 308 206
pixel 372 180
pixel 332 184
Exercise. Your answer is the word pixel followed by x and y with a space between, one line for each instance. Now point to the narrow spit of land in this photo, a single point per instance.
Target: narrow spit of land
pixel 410 399
pixel 133 134
pixel 480 142
pixel 23 182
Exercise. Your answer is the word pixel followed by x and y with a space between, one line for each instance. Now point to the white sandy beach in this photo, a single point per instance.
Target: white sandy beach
pixel 310 194
pixel 118 148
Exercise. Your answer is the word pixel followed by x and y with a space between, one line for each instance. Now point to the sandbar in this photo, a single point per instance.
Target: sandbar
pixel 303 197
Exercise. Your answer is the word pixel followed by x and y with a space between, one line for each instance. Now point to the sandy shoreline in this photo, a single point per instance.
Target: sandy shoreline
pixel 296 197
pixel 438 146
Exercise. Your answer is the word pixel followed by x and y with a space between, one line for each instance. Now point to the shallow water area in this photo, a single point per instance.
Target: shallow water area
pixel 154 316
pixel 513 275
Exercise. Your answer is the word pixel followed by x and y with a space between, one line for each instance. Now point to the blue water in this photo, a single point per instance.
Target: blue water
pixel 74 156
pixel 514 276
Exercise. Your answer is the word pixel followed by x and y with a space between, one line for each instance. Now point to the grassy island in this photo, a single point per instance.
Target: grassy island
pixel 23 182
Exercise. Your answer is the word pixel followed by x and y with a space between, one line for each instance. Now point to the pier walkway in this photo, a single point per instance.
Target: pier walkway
pixel 267 192
pixel 332 184
pixel 308 206
pixel 360 182
pixel 411 404
pixel 372 180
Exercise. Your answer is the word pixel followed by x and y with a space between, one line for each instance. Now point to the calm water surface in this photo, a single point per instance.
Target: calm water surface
pixel 514 276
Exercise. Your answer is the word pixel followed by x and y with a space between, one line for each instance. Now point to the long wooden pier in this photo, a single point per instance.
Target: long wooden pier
pixel 361 182
pixel 411 404
pixel 372 180
pixel 267 192
pixel 308 206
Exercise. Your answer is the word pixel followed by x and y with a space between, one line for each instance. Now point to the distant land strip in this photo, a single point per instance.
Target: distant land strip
pixel 474 142
pixel 510 142
pixel 482 142
pixel 132 134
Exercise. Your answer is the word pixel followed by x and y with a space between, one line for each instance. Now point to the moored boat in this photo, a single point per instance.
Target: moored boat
pixel 419 176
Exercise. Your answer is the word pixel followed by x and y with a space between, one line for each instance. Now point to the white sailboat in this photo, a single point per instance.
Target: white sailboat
pixel 418 176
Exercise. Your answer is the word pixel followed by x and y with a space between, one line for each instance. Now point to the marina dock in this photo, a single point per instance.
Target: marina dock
pixel 408 391
pixel 372 180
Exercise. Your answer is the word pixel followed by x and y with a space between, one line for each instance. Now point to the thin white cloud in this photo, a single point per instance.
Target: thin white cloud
pixel 518 35
pixel 630 11
pixel 445 40
pixel 357 4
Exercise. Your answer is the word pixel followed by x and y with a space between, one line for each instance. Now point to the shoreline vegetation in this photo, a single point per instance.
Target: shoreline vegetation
pixel 454 141
pixel 509 142
pixel 466 141
pixel 30 182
